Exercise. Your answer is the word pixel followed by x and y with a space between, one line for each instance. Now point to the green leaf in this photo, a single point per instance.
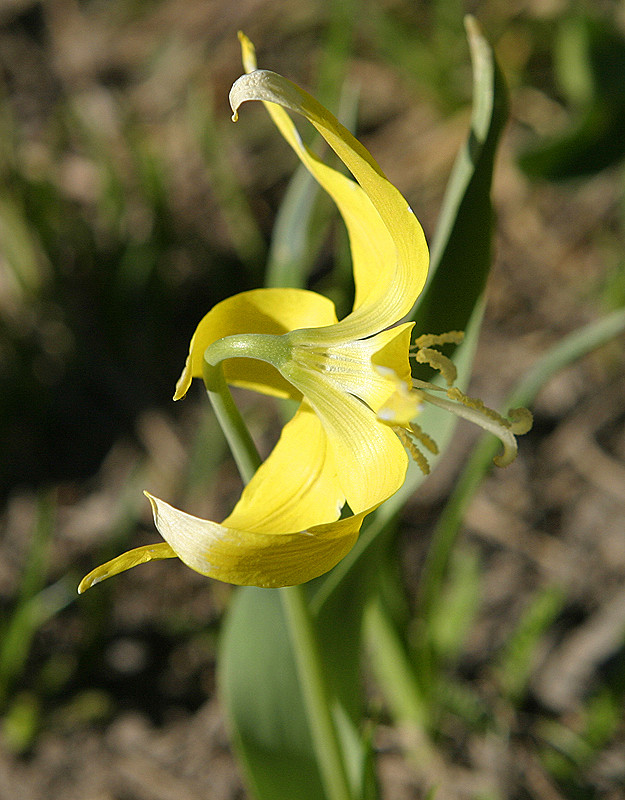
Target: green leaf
pixel 264 703
pixel 460 598
pixel 461 256
pixel 516 662
pixel 260 692
pixel 392 667
pixel 461 248
pixel 290 254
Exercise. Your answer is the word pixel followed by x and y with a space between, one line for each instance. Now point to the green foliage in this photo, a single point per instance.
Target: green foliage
pixel 516 661
pixel 457 606
pixel 590 69
pixel 569 751
pixel 424 42
pixel 100 280
pixel 29 612
pixel 263 699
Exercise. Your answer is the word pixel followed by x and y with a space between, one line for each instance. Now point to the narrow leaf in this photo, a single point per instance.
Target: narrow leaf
pixel 263 701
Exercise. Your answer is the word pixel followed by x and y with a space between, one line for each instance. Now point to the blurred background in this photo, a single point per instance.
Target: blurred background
pixel 129 205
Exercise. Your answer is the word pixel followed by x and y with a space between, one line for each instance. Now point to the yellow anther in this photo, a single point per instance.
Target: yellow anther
pixel 438 339
pixel 421 436
pixel 439 362
pixel 411 446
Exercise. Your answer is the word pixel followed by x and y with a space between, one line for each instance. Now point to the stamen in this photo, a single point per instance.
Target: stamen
pixel 423 352
pixel 421 436
pixel 438 339
pixel 439 362
pixel 402 406
pixel 419 385
pixel 411 446
pixel 475 411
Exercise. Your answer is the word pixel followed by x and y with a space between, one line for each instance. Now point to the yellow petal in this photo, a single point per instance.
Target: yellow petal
pixel 273 311
pixel 371 243
pixel 391 259
pixel 372 460
pixel 140 555
pixel 254 559
pixel 296 487
pixel 403 405
pixel 352 366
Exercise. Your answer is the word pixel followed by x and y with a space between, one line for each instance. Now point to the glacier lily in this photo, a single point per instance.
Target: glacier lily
pixel 347 443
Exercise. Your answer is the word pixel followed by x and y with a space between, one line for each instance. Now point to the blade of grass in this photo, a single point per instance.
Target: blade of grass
pixel 391 665
pixel 290 253
pixel 336 51
pixel 515 663
pixel 27 615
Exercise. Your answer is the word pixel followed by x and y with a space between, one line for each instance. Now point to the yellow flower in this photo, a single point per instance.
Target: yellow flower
pixel 347 442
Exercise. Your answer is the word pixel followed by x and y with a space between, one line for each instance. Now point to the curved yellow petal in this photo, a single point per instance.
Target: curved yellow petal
pixel 254 559
pixel 272 311
pixel 140 555
pixel 395 272
pixel 372 460
pixel 372 246
pixel 296 487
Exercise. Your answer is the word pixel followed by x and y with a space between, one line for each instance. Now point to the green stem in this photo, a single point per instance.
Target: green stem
pixel 264 347
pixel 300 623
pixel 229 417
pixel 315 691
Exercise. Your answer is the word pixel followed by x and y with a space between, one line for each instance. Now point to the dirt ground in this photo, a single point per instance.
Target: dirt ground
pixel 121 686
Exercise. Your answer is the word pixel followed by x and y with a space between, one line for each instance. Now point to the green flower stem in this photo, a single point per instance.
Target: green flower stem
pixel 300 623
pixel 315 691
pixel 231 422
pixel 260 346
